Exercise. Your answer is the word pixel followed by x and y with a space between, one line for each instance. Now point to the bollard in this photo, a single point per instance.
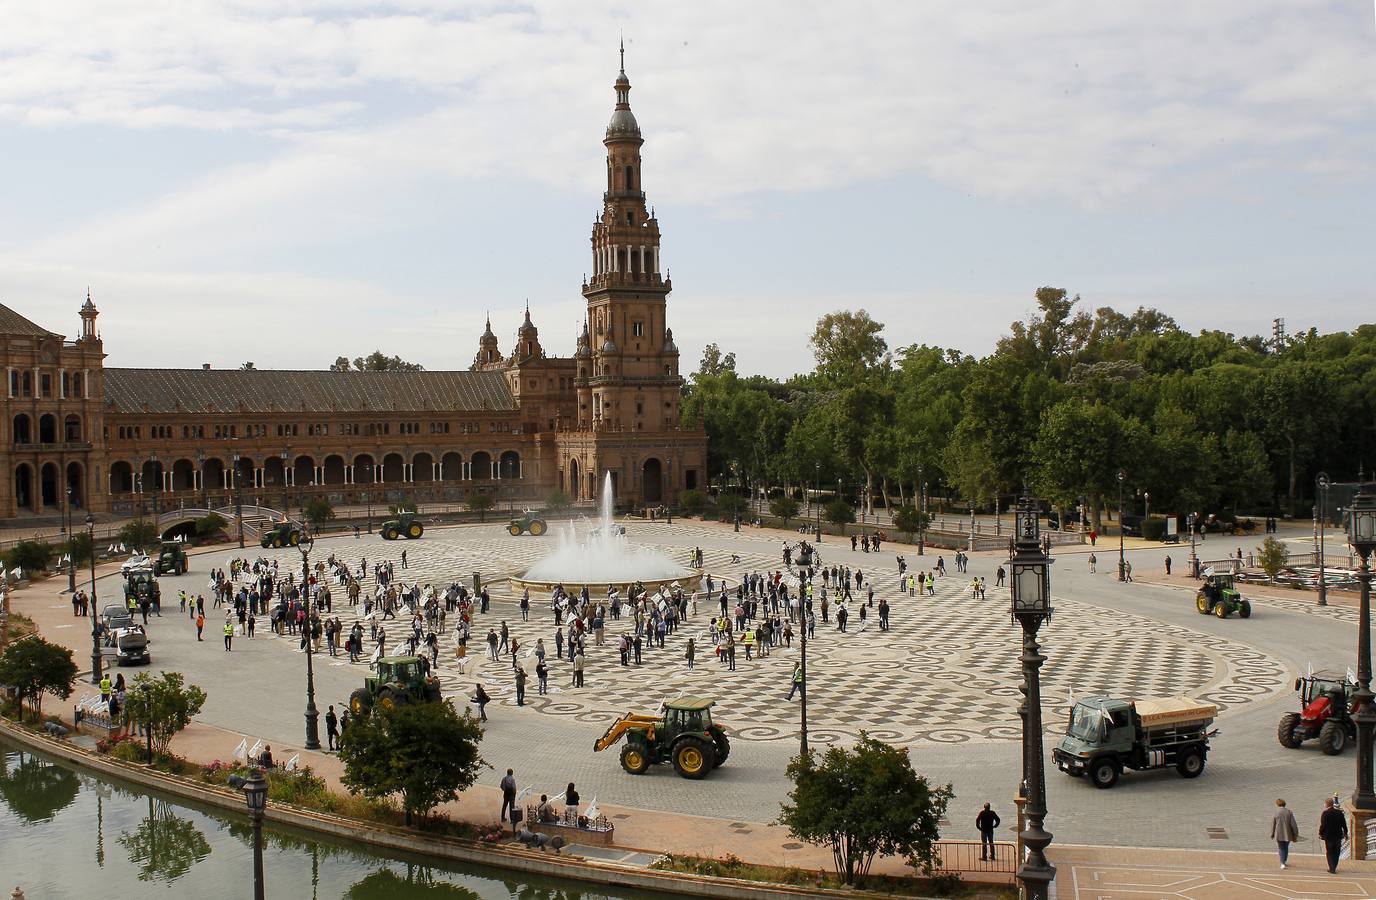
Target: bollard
pixel 17 895
pixel 477 583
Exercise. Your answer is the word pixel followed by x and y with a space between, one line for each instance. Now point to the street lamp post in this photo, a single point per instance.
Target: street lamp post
pixel 1030 587
pixel 1322 500
pixel 802 667
pixel 286 501
pixel 1122 558
pixel 1146 503
pixel 368 495
pixel 817 502
pixel 1194 560
pixel 1361 534
pixel 157 485
pixel 921 510
pixel 255 788
pixel 138 489
pixel 205 491
pixel 312 714
pixel 95 620
pixel 238 498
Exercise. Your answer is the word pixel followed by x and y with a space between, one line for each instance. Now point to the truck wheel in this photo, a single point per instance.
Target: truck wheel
pixel 1332 738
pixel 514 530
pixel 1202 605
pixel 538 527
pixel 1244 609
pixel 1285 731
pixel 693 758
pixel 1104 774
pixel 634 760
pixel 1191 763
pixel 1221 609
pixel 360 702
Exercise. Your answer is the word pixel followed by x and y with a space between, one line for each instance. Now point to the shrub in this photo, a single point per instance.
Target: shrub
pixel 210 525
pixel 839 512
pixel 31 556
pixel 480 504
pixel 1154 529
pixel 558 501
pixel 731 505
pixel 907 518
pixel 139 534
pixel 164 703
pixel 33 667
pixel 784 507
pixel 1272 556
pixel 318 511
pixel 691 500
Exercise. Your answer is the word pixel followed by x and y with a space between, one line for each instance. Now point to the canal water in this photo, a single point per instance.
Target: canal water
pixel 65 835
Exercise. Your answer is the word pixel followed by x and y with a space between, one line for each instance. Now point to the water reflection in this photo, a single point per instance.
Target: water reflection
pixel 418 882
pixel 164 846
pixel 33 789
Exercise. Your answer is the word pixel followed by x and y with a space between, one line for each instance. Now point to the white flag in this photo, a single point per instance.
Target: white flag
pixel 241 751
pixel 292 763
pixel 592 809
pixel 256 750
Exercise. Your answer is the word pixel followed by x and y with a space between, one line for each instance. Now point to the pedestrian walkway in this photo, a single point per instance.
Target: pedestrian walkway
pixel 1112 873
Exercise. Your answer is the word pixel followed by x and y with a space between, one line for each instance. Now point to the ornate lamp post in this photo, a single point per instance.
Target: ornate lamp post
pixel 157 485
pixel 1122 559
pixel 286 501
pixel 1321 482
pixel 312 714
pixel 921 510
pixel 255 789
pixel 802 667
pixel 1361 534
pixel 817 502
pixel 238 498
pixel 205 491
pixel 1194 560
pixel 71 543
pixel 368 474
pixel 95 619
pixel 1030 586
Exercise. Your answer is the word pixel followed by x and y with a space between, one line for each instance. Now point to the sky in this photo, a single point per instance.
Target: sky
pixel 294 181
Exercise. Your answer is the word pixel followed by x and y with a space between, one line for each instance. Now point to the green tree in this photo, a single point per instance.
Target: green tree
pixel 784 507
pixel 36 790
pixel 377 361
pixel 33 667
pixel 691 500
pixel 139 534
pixel 848 346
pixel 907 518
pixel 714 362
pixel 1273 557
pixel 318 511
pixel 164 846
pixel 732 505
pixel 863 802
pixel 79 548
pixel 558 501
pixel 165 704
pixel 1080 449
pixel 480 504
pixel 210 525
pixel 426 752
pixel 31 556
pixel 839 512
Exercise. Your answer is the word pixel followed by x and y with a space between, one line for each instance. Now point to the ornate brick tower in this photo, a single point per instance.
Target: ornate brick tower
pixel 634 376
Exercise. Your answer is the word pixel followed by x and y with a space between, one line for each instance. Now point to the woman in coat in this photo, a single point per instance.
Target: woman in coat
pixel 1284 830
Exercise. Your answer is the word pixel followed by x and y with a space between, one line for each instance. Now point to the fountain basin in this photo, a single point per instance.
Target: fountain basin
pixel 690 581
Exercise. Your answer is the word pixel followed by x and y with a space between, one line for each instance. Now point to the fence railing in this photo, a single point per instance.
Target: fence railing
pixel 964 857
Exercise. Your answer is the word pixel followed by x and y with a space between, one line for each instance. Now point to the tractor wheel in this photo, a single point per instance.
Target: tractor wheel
pixel 538 527
pixel 360 702
pixel 723 746
pixel 1202 605
pixel 693 757
pixel 514 530
pixel 1244 609
pixel 1221 609
pixel 1332 737
pixel 1104 774
pixel 294 538
pixel 389 699
pixel 389 534
pixel 1191 763
pixel 1285 731
pixel 634 760
pixel 415 531
pixel 277 542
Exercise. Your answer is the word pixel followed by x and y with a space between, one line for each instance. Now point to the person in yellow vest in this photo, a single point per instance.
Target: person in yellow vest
pixel 229 633
pixel 749 640
pixel 105 688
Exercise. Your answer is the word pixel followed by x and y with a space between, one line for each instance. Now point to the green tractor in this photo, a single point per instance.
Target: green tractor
pixel 279 535
pixel 685 736
pixel 528 521
pixel 1219 595
pixel 404 525
pixel 172 558
pixel 399 679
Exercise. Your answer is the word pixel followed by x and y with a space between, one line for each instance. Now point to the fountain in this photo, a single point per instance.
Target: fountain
pixel 603 557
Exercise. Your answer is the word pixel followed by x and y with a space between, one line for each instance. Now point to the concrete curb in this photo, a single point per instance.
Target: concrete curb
pixel 500 856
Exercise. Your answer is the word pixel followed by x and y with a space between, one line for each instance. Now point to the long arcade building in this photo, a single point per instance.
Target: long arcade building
pixel 517 425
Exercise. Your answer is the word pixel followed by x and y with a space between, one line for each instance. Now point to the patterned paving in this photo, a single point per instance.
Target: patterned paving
pixel 947 671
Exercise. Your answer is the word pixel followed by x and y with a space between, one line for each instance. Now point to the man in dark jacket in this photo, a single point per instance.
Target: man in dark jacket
pixel 986 822
pixel 1332 829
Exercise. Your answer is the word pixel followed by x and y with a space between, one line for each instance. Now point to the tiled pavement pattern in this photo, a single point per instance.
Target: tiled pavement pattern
pixel 939 675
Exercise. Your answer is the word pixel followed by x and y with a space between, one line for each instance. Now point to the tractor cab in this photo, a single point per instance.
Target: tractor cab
pixel 404 670
pixel 695 715
pixel 1327 709
pixel 1221 585
pixel 1325 686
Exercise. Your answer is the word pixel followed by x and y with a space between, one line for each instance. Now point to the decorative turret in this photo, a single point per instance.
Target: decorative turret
pixel 584 342
pixel 88 319
pixel 488 354
pixel 528 339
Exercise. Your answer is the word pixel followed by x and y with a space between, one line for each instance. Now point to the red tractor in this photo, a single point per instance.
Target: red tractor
pixel 1327 710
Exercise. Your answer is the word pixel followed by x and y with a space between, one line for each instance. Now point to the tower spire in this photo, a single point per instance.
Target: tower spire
pixel 623 54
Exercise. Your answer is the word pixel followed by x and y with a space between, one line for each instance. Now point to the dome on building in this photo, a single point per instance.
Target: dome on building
pixel 609 346
pixel 623 122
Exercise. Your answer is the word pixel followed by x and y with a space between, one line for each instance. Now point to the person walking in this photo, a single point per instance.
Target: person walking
pixel 542 676
pixel 481 698
pixel 797 680
pixel 1284 830
pixel 331 729
pixel 986 822
pixel 1168 565
pixel 689 653
pixel 200 626
pixel 578 670
pixel 520 686
pixel 508 785
pixel 1332 831
pixel 1093 563
pixel 1127 569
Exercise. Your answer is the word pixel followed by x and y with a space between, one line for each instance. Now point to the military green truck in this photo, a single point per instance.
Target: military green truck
pixel 1105 736
pixel 405 525
pixel 172 559
pixel 280 534
pixel 685 735
pixel 399 679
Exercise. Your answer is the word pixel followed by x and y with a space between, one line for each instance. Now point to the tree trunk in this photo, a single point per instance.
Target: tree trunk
pixel 1291 500
pixel 884 492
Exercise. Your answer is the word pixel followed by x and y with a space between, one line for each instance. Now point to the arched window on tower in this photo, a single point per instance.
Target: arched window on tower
pixel 630 178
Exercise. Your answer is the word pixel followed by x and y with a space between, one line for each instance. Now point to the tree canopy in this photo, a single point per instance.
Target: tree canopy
pixel 165 704
pixel 33 667
pixel 1070 396
pixel 377 361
